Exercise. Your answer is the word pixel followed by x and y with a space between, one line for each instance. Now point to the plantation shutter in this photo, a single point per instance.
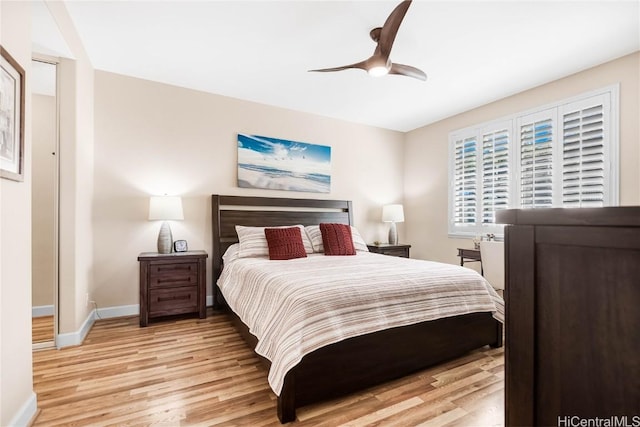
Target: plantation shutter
pixel 465 181
pixel 495 173
pixel 560 155
pixel 536 133
pixel 584 172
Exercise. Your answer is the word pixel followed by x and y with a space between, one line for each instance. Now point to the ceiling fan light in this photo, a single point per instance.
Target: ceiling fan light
pixel 378 71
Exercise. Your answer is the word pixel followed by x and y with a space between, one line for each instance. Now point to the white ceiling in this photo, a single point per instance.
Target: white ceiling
pixel 473 52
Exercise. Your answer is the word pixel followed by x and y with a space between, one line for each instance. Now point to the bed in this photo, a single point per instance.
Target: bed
pixel 357 362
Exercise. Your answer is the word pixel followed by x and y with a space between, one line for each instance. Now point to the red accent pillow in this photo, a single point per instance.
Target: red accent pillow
pixel 285 243
pixel 337 239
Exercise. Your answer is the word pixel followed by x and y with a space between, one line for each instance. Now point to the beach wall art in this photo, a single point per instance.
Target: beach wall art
pixel 280 164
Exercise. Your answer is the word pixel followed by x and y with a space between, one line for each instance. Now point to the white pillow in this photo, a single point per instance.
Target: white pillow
pixel 231 254
pixel 314 233
pixel 254 243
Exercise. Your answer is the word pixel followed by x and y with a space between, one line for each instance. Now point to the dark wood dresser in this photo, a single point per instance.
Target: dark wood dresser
pixel 172 284
pixel 389 249
pixel 572 315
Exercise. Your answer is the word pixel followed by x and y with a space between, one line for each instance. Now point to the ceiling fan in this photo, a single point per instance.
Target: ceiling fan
pixel 379 63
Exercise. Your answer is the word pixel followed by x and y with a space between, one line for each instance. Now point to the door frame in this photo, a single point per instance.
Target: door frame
pixel 56 206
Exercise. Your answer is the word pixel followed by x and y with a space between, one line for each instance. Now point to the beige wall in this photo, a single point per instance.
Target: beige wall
pixel 42 199
pixel 153 139
pixel 426 151
pixel 16 385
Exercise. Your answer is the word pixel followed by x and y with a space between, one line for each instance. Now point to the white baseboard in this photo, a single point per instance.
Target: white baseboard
pixel 118 311
pixel 76 338
pixel 27 411
pixel 42 310
pixel 43 345
pixel 130 310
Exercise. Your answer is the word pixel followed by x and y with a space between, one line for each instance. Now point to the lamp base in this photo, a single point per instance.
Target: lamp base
pixel 393 234
pixel 165 239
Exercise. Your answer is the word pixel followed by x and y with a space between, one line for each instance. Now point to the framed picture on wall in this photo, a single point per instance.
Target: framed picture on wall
pixel 280 164
pixel 11 117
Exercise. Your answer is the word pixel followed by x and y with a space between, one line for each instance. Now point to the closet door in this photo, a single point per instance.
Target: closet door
pixel 44 202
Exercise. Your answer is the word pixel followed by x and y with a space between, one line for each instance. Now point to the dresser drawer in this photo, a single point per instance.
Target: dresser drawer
pixel 164 302
pixel 173 275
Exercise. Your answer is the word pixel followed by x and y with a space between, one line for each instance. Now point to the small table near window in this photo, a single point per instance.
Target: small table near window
pixel 470 255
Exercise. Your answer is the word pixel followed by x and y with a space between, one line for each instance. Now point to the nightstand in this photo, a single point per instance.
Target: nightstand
pixel 172 284
pixel 388 249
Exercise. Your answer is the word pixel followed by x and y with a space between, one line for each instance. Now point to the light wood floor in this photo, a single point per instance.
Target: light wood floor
pixel 42 329
pixel 200 372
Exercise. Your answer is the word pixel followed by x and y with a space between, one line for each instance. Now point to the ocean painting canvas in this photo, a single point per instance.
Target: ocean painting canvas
pixel 279 164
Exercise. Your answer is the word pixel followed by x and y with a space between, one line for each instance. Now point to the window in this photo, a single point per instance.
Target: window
pixel 495 173
pixel 536 136
pixel 564 155
pixel 465 185
pixel 585 176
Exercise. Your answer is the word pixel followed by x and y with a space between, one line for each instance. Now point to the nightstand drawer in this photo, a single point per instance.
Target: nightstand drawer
pixel 392 250
pixel 397 252
pixel 173 275
pixel 164 302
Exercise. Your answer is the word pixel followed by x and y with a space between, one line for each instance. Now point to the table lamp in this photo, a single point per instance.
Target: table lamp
pixel 165 208
pixel 393 214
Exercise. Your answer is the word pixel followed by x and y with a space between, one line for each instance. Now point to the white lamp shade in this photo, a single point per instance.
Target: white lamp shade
pixel 165 208
pixel 392 213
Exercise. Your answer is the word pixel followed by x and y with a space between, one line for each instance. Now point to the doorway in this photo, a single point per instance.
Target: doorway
pixel 44 202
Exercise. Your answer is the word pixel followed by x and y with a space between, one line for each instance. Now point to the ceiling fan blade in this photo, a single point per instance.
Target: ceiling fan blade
pixel 361 65
pixel 408 70
pixel 379 64
pixel 390 29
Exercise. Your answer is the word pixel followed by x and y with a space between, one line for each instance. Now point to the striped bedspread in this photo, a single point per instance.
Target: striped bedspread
pixel 296 306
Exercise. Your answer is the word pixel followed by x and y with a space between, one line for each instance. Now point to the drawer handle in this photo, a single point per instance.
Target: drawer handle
pixel 173 298
pixel 174 268
pixel 173 281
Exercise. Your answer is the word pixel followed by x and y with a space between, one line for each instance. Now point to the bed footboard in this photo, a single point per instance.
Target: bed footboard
pixel 361 362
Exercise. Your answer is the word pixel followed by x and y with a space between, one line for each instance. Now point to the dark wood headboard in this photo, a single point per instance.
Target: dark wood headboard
pixel 229 211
